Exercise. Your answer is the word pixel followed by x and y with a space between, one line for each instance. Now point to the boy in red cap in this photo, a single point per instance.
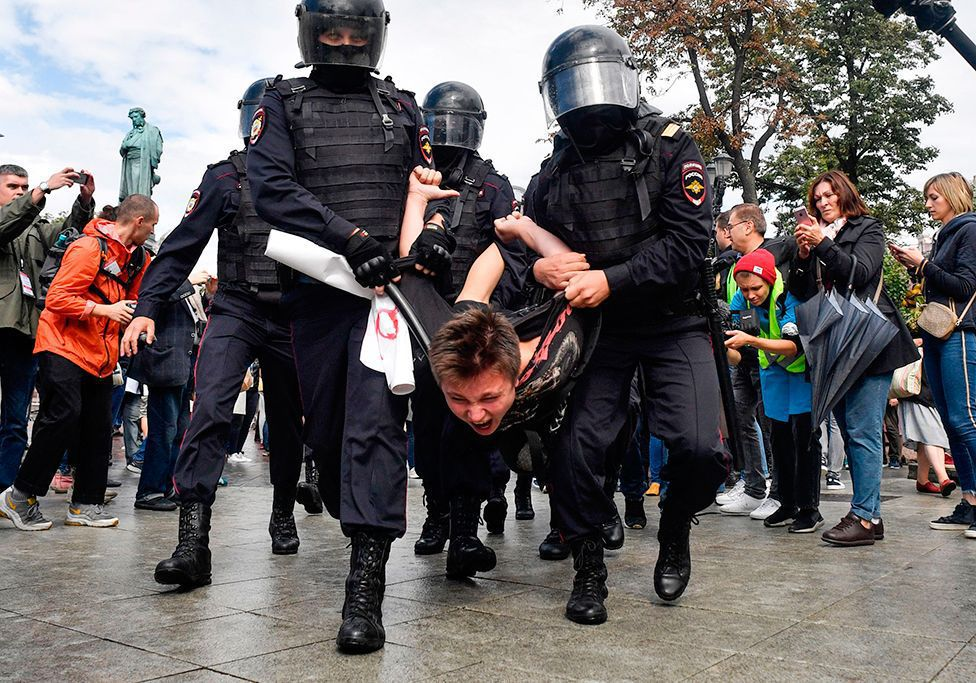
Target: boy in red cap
pixel 786 389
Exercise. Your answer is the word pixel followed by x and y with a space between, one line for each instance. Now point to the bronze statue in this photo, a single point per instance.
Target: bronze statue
pixel 141 150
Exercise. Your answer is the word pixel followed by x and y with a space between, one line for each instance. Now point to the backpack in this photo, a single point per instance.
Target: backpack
pixel 55 255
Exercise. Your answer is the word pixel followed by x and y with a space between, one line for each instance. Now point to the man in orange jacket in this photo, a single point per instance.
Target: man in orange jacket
pixel 89 303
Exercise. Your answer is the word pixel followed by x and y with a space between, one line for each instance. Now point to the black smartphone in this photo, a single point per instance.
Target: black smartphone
pixel 82 178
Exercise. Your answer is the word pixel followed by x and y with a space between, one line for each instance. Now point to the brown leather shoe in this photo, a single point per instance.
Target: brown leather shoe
pixel 849 532
pixel 879 530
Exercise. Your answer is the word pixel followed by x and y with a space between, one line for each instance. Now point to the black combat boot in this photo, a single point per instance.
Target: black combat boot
pixel 307 495
pixel 553 547
pixel 437 528
pixel 495 512
pixel 673 568
pixel 613 533
pixel 523 497
pixel 467 554
pixel 189 565
pixel 362 613
pixel 585 605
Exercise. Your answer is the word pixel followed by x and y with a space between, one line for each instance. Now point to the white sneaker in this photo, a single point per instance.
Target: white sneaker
pixel 743 505
pixel 238 458
pixel 768 507
pixel 731 494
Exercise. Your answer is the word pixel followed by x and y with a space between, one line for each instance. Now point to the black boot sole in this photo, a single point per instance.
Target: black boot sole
pixel 431 550
pixel 288 550
pixel 359 647
pixel 587 619
pixel 522 515
pixel 175 577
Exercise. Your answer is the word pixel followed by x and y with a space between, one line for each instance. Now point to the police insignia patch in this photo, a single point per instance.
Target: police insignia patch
pixel 425 149
pixel 693 182
pixel 192 204
pixel 257 125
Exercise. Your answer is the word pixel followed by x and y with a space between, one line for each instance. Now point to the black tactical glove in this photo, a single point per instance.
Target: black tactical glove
pixel 370 261
pixel 433 248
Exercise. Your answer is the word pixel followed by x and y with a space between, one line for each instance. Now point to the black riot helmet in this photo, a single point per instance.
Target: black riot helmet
pixel 249 103
pixel 588 66
pixel 455 115
pixel 342 32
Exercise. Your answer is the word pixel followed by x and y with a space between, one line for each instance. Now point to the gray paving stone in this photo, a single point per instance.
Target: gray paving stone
pixel 962 668
pixel 90 660
pixel 223 639
pixel 115 618
pixel 326 614
pixel 749 668
pixel 321 661
pixel 880 653
pixel 568 650
pixel 198 676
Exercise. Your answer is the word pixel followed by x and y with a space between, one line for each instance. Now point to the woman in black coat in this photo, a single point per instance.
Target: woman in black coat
pixel 849 246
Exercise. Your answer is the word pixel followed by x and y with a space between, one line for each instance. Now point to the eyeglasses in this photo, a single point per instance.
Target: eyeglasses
pixel 732 225
pixel 823 197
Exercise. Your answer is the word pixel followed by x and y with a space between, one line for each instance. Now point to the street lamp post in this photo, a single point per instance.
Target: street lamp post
pixel 719 171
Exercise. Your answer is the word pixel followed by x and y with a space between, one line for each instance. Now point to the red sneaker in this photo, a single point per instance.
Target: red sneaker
pixel 947 487
pixel 61 482
pixel 927 487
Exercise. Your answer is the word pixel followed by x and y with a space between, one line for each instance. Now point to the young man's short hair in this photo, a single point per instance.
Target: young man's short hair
pixel 135 206
pixel 474 342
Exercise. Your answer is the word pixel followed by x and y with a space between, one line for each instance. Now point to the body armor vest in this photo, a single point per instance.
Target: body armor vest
pixel 472 237
pixel 241 245
pixel 353 151
pixel 605 207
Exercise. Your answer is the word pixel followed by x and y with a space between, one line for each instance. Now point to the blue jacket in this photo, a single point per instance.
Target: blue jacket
pixel 784 393
pixel 951 270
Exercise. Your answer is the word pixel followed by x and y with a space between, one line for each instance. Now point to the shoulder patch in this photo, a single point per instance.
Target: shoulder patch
pixel 693 182
pixel 257 125
pixel 426 150
pixel 671 130
pixel 192 204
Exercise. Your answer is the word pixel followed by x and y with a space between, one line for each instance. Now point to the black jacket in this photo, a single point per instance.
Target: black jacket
pixel 951 270
pixel 169 361
pixel 862 237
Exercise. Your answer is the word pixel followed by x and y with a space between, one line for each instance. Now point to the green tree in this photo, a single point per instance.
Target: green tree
pixel 741 54
pixel 866 114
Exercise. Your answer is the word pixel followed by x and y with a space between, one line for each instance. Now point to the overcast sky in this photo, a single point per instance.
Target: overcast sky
pixel 71 73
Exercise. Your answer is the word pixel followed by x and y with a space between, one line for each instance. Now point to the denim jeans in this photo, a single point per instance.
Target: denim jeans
pixel 950 368
pixel 860 416
pixel 658 457
pixel 168 411
pixel 832 443
pixel 132 424
pixel 633 469
pixel 18 368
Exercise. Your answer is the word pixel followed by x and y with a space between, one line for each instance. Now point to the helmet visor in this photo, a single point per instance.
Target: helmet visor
pixel 341 40
pixel 589 84
pixel 455 129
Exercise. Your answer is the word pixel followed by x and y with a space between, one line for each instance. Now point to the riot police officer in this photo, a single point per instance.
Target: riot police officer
pixel 329 160
pixel 457 479
pixel 628 189
pixel 246 322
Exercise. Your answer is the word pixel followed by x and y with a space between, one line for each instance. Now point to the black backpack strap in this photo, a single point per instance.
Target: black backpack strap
pixel 470 184
pixel 643 147
pixel 293 90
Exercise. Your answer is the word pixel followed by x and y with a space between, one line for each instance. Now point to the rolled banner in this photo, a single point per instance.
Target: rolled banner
pixel 386 345
pixel 315 261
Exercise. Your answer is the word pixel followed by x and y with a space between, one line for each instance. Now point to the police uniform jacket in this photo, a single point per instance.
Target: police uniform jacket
pixel 212 205
pixel 273 164
pixel 862 237
pixel 665 271
pixel 24 242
